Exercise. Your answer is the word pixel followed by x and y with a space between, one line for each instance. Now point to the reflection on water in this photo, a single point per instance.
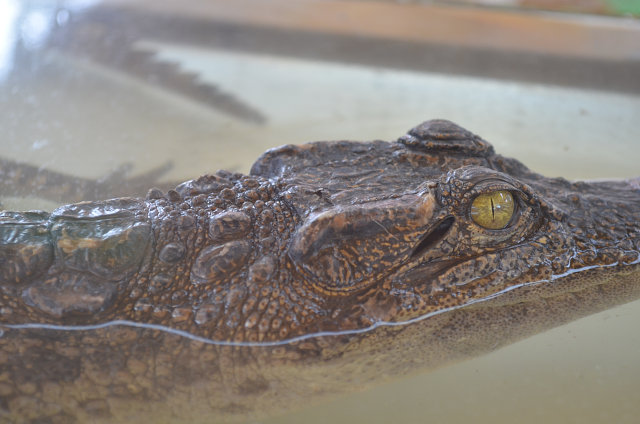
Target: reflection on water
pixel 8 13
pixel 28 25
pixel 64 112
pixel 527 121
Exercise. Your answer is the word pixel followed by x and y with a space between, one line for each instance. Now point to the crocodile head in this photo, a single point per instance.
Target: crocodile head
pixel 394 232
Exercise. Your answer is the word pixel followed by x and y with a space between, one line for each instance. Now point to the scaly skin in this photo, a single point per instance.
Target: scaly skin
pixel 331 266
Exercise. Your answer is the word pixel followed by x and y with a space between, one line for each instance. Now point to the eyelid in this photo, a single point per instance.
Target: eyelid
pixel 520 196
pixel 488 186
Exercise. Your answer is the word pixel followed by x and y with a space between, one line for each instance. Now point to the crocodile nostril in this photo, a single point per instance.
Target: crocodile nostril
pixel 433 237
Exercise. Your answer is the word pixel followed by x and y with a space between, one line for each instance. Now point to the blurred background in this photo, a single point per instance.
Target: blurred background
pixel 90 88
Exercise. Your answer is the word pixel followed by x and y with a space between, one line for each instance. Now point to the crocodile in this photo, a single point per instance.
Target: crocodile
pixel 331 266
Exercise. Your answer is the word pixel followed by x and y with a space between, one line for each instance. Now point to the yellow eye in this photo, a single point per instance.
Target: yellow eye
pixel 493 210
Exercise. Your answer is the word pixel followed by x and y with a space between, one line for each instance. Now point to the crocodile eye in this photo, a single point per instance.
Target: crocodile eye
pixel 493 210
